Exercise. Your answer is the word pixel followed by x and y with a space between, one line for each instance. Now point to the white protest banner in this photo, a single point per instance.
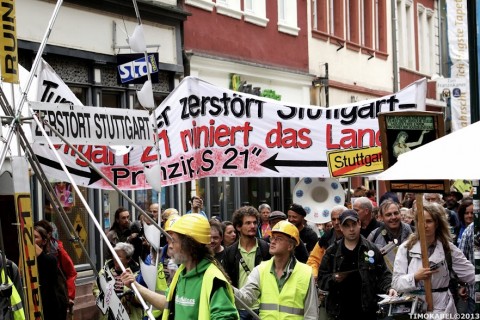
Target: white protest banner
pixel 455 90
pixel 93 125
pixel 457 23
pixel 51 87
pixel 457 32
pixel 207 131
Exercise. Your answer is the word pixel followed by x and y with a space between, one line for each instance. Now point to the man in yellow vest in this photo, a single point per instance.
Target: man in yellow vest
pixel 284 286
pixel 199 289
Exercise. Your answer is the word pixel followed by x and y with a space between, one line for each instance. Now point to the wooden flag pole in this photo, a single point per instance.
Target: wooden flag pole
pixel 423 247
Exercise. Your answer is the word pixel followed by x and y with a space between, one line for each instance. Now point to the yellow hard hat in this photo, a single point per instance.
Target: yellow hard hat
pixel 287 228
pixel 170 221
pixel 193 225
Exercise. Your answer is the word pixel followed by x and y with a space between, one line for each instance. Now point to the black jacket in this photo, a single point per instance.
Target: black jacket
pixel 231 261
pixel 376 277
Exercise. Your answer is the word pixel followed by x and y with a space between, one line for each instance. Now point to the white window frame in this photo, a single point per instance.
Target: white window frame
pixel 287 17
pixel 255 12
pixel 230 8
pixel 207 5
pixel 422 37
pixel 331 17
pixel 431 61
pixel 405 32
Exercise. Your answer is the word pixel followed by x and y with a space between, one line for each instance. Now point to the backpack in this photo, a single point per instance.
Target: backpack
pixel 454 281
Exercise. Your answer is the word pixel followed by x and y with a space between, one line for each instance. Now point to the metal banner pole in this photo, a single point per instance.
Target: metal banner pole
pixel 14 123
pixel 92 216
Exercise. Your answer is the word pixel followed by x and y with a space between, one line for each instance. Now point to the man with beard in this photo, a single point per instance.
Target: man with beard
pixel 452 200
pixel 247 252
pixel 199 289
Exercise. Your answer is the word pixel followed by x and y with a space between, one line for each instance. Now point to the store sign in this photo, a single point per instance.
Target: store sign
pixel 207 131
pixel 133 69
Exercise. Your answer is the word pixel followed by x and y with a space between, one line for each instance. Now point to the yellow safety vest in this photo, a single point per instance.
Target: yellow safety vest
pixel 210 274
pixel 15 301
pixel 160 287
pixel 290 302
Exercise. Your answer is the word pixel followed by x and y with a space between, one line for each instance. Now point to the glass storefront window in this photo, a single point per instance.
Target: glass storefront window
pixel 146 197
pixel 255 191
pixel 76 214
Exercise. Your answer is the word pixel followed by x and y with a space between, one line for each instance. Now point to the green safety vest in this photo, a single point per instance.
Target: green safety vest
pixel 210 274
pixel 290 302
pixel 15 301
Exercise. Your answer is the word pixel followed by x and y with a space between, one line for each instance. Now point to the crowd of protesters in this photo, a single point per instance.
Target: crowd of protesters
pixel 270 264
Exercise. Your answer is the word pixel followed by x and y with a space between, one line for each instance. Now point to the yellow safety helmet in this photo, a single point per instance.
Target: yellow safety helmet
pixel 170 221
pixel 193 225
pixel 287 228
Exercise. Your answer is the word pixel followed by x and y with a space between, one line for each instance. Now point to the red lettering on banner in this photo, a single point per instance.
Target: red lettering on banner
pixel 353 138
pixel 199 137
pixel 288 138
pixel 148 155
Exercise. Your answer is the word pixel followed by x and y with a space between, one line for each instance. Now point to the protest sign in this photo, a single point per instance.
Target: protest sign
pixel 207 131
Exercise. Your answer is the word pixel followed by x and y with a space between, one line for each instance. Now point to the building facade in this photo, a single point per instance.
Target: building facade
pixel 83 48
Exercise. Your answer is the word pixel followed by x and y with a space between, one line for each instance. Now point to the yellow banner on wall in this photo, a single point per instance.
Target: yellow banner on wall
pixel 28 265
pixel 8 42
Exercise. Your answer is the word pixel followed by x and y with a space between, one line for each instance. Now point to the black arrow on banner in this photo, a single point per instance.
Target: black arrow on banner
pixel 272 163
pixel 92 174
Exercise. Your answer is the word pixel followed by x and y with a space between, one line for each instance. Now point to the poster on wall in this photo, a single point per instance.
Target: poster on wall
pixel 65 193
pixel 401 132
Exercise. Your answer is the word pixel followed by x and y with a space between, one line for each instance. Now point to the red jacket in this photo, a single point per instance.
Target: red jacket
pixel 65 263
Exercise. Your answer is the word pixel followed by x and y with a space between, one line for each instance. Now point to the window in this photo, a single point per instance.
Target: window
pixel 319 18
pixel 229 8
pixel 202 4
pixel 366 21
pixel 405 29
pixel 381 25
pixel 287 17
pixel 431 42
pixel 352 15
pixel 336 25
pixel 255 12
pixel 425 40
